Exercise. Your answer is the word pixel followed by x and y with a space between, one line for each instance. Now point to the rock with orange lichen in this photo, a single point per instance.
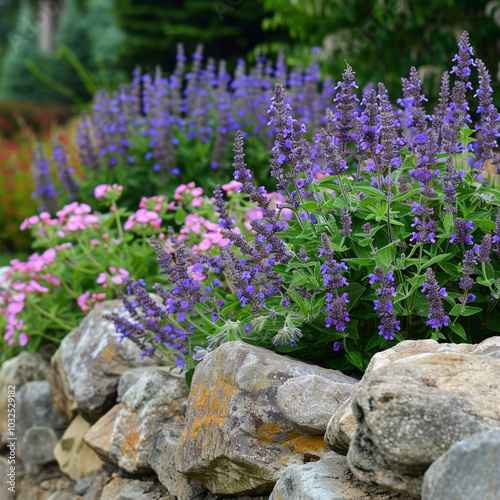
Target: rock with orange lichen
pixel 126 434
pixel 237 439
pixel 153 401
pixel 87 365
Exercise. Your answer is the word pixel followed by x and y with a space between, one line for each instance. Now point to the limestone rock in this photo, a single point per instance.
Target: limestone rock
pixel 17 371
pixel 411 412
pixel 87 366
pixel 341 429
pixel 128 379
pixel 162 461
pixel 409 348
pixel 98 437
pixel 75 458
pixel 489 347
pixel 132 489
pixel 327 479
pixel 34 408
pixel 237 439
pixel 155 399
pixel 469 469
pixel 36 447
pixel 310 401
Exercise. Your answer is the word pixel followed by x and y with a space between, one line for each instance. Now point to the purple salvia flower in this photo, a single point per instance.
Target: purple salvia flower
pixel 44 184
pixel 346 101
pixel 345 222
pixel 435 296
pixel 452 179
pixel 496 234
pixel 484 249
pixel 66 173
pixel 414 99
pixel 490 118
pixel 335 303
pixel 384 304
pixel 442 106
pixel 464 58
pixel 466 282
pixel 461 236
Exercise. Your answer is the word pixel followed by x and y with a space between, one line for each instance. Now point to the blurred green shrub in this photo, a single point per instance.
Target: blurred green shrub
pixel 380 38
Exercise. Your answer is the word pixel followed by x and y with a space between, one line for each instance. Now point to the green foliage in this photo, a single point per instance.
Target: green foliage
pixel 380 38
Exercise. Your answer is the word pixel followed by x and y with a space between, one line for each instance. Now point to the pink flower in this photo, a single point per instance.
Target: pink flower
pixel 197 192
pixel 205 245
pixel 211 226
pixel 233 186
pixel 100 191
pixel 118 280
pixel 102 278
pixel 123 272
pixel 94 242
pixel 197 202
pixel 51 279
pixel 35 286
pixel 82 301
pixel 130 223
pixel 83 208
pixel 22 339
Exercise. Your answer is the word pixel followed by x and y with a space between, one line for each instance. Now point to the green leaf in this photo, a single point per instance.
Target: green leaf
pixel 456 310
pixel 469 310
pixel 369 190
pixel 459 330
pixel 385 255
pixel 300 301
pixel 180 216
pixel 355 358
pixel 450 269
pixel 437 258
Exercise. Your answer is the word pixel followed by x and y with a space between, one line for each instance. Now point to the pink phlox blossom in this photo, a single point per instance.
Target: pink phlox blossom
pixel 82 301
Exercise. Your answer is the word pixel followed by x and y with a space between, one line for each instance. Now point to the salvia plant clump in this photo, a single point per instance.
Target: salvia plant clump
pixel 393 234
pixel 161 130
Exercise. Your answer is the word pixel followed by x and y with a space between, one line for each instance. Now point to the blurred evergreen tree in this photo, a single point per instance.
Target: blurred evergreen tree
pixel 229 29
pixel 87 48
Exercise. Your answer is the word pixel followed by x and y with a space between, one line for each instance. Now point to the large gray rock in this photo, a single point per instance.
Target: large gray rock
pixel 470 469
pixel 310 401
pixel 36 448
pixel 16 372
pixel 162 461
pixel 155 399
pixel 34 408
pixel 86 367
pixel 341 429
pixel 237 439
pixel 328 479
pixel 411 412
pixel 343 424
